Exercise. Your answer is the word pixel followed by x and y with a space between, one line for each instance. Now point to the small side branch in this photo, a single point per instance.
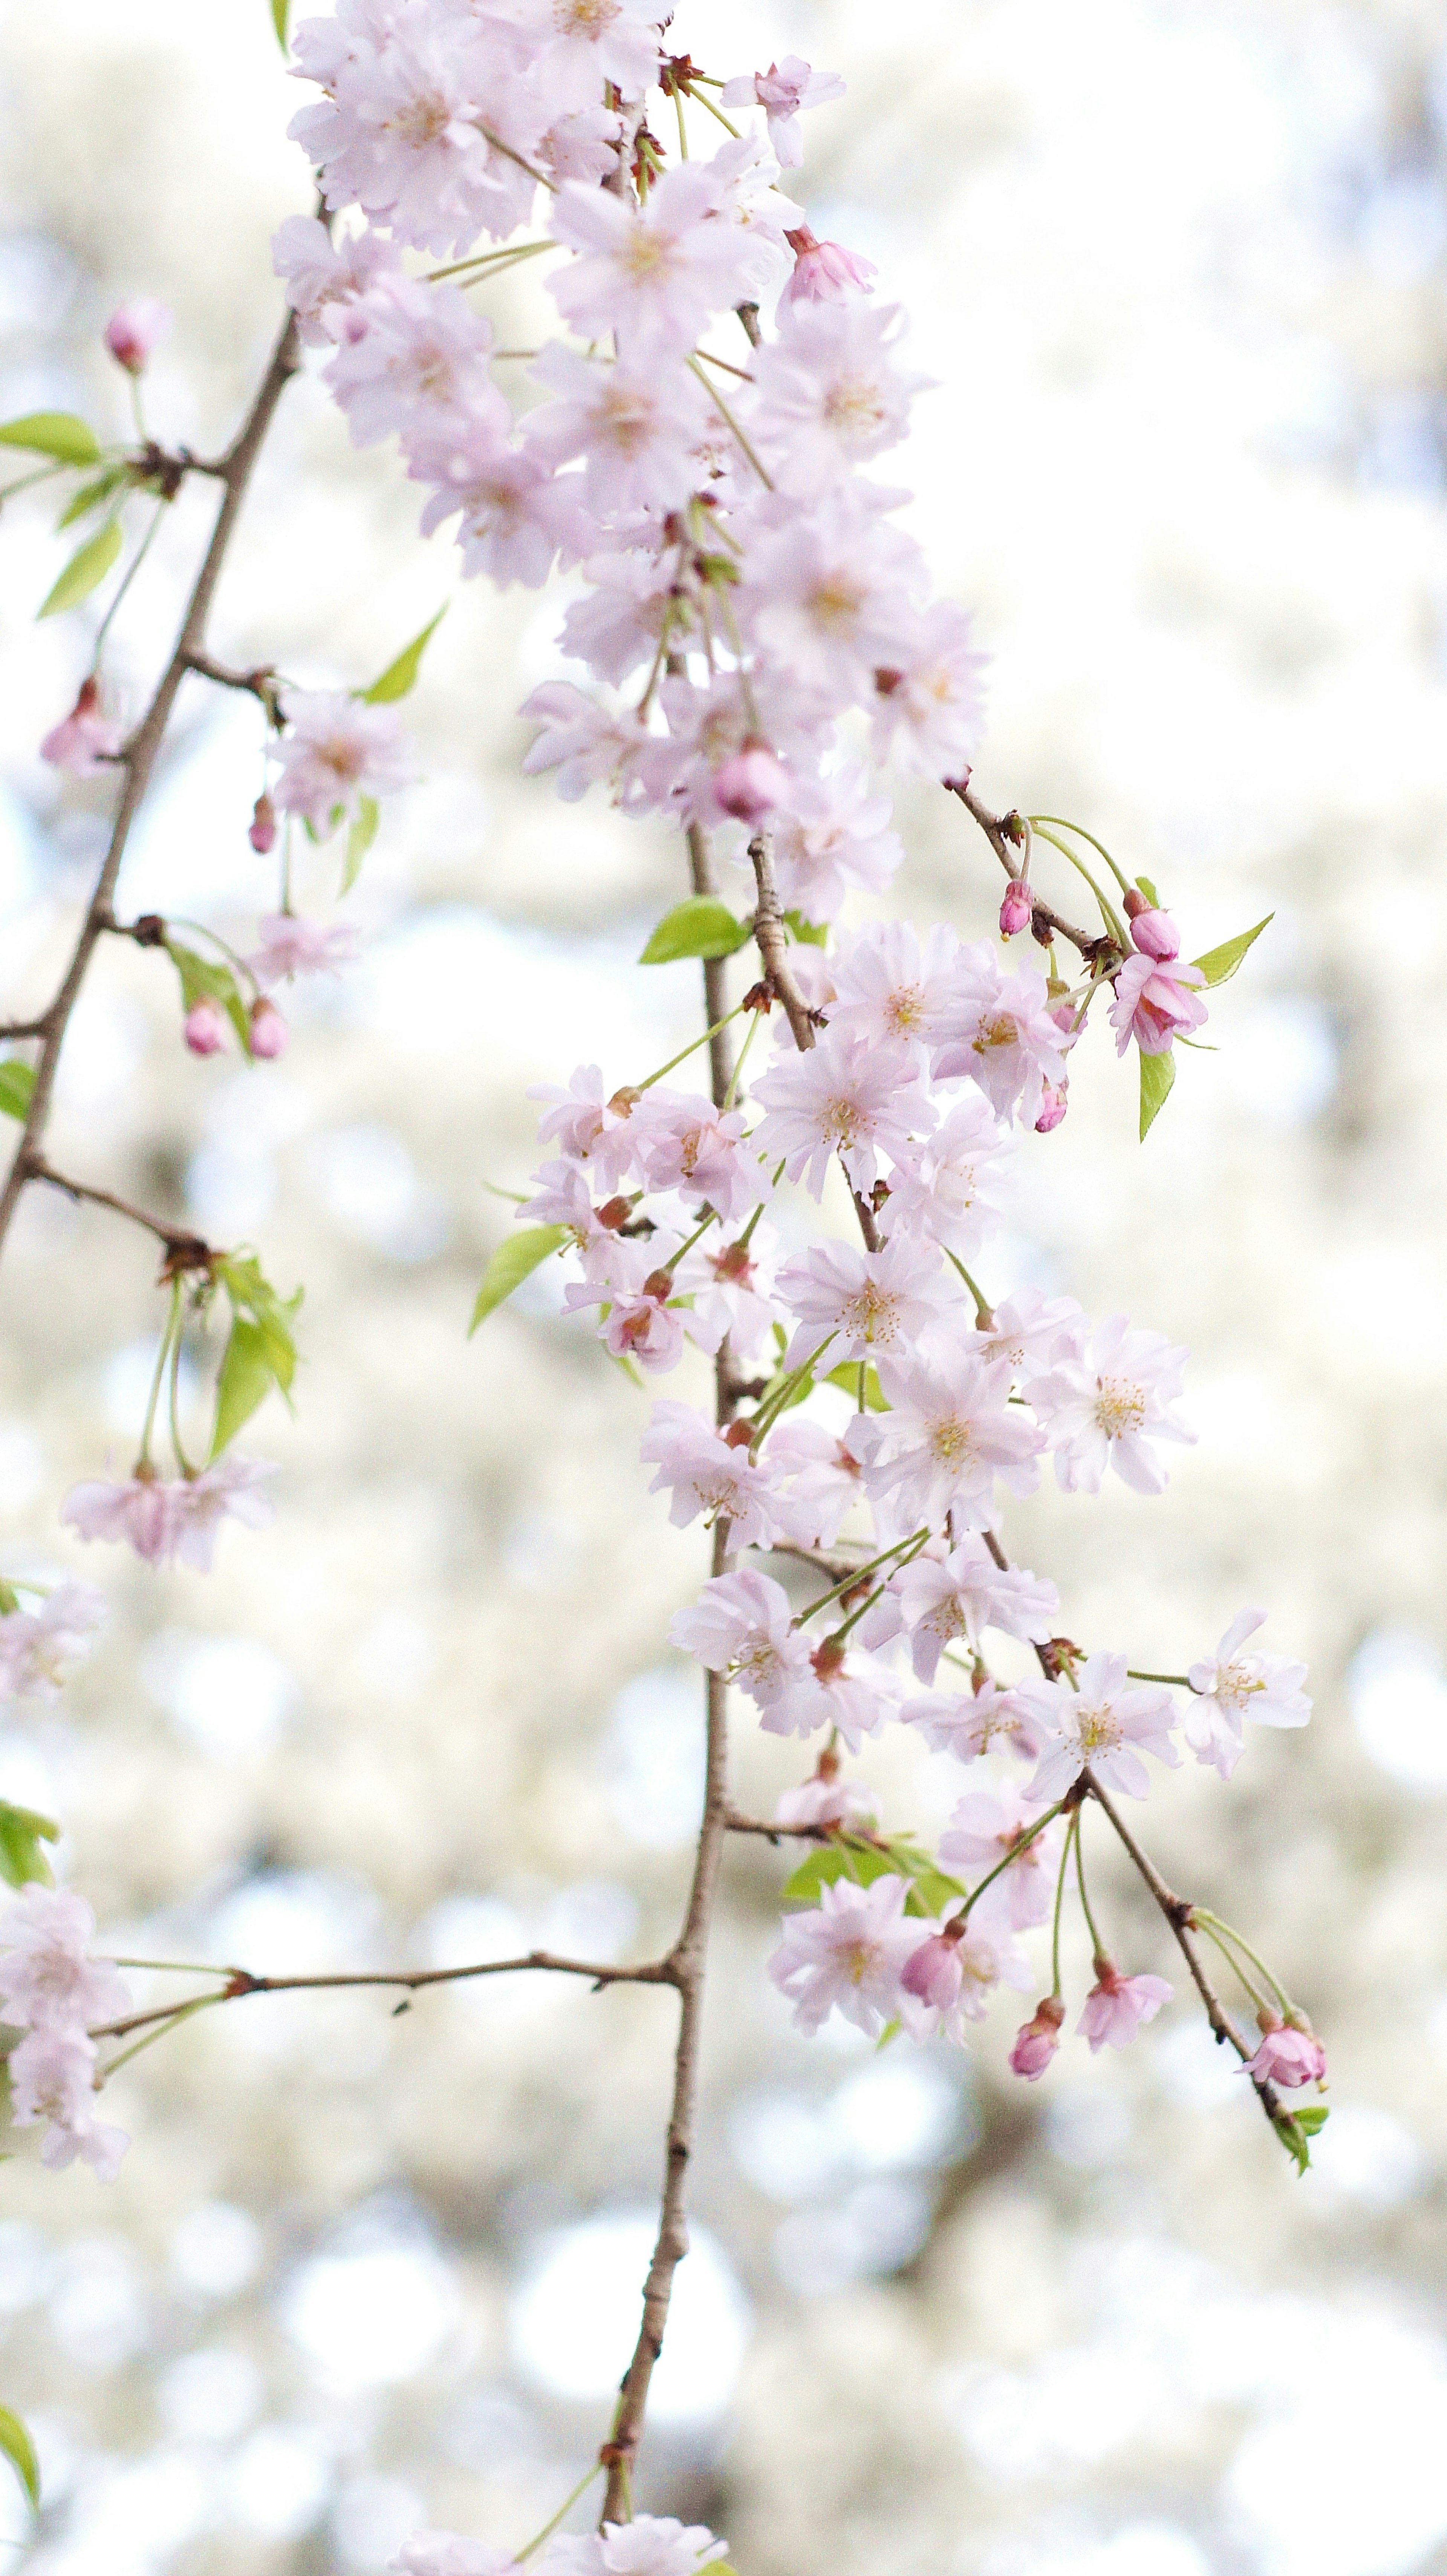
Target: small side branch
pixel 773 946
pixel 184 1251
pixel 240 1983
pixel 1006 834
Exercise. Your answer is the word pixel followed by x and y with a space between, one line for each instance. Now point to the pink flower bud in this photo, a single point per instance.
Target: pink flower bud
pixel 205 1030
pixel 135 330
pixel 1290 2052
pixel 1037 2040
pixel 1053 1105
pixel 262 834
pixel 934 1972
pixel 269 1032
pixel 824 272
pixel 1155 934
pixel 85 740
pixel 750 784
pixel 1017 910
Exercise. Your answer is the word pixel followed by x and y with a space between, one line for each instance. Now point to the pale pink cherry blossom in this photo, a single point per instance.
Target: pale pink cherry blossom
pixel 953 1188
pixel 267 1033
pixel 956 1973
pixel 712 1475
pixel 825 1479
pixel 830 393
pixel 1104 1408
pixel 1232 1686
pixel 886 986
pixel 827 594
pixel 173 1521
pixel 47 1981
pixel 933 1973
pixel 583 43
pixel 843 1097
pixel 448 2553
pixel 998 1033
pixel 135 331
pixel 836 1688
pixel 1290 2052
pixel 752 784
pixel 986 1828
pixel 964 1593
pixel 291 946
pixel 1035 1333
pixel 582 145
pixel 657 2545
pixel 824 271
pixel 85 742
pixel 950 1433
pixel 1116 2006
pixel 38 1646
pixel 710 723
pixel 639 1323
pixel 1104 1721
pixel 688 1145
pixel 969 1724
pixel 783 92
pixel 731 1285
pixel 514 516
pixel 412 356
pixel 632 422
pixel 52 2078
pixel 860 1303
pixel 929 697
pixel 336 750
pixel 743 173
pixel 742 1626
pixel 848 1952
pixel 1155 1004
pixel 1054 1101
pixel 566 1199
pixel 1037 2040
pixel 1153 931
pixel 590 1127
pixel 618 622
pixel 205 1026
pixel 652 275
pixel 584 742
pixel 322 271
pixel 829 1798
pixel 835 835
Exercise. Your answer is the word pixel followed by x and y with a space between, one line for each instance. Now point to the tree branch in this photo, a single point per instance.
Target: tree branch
pixel 1000 831
pixel 184 1250
pixel 240 1983
pixel 773 947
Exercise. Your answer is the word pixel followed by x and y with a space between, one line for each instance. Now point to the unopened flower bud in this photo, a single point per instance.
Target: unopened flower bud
pixel 1053 1105
pixel 205 1029
pixel 659 1284
pixel 262 834
pixel 1016 911
pixel 270 1035
pixel 1290 2052
pixel 824 272
pixel 1155 934
pixel 1037 2040
pixel 135 330
pixel 613 1213
pixel 934 1972
pixel 739 1434
pixel 750 784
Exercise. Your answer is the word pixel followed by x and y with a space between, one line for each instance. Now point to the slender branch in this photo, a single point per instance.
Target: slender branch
pixel 184 1250
pixel 1000 831
pixel 772 1833
pixel 773 947
pixel 260 683
pixel 138 760
pixel 240 1983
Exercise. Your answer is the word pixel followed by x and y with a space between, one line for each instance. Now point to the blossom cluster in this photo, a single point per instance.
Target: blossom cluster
pixel 649 2545
pixel 52 1990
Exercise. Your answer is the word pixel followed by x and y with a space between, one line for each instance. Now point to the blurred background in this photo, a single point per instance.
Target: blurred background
pixel 1179 270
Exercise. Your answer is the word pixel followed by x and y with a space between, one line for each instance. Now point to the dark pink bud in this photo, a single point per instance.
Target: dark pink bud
pixel 1155 934
pixel 1290 2052
pixel 262 834
pixel 933 1972
pixel 270 1035
pixel 205 1029
pixel 1053 1105
pixel 751 784
pixel 1037 2040
pixel 1016 910
pixel 134 330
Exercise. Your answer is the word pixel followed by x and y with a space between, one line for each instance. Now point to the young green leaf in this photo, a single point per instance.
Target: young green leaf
pixel 401 676
pixel 829 1862
pixel 700 926
pixel 1158 1072
pixel 90 495
pixel 246 1378
pixel 53 433
pixel 1296 2129
pixel 1148 890
pixel 511 1264
pixel 814 934
pixel 280 12
pixel 17 1081
pixel 846 1375
pixel 360 836
pixel 86 568
pixel 22 1832
pixel 1220 964
pixel 19 2450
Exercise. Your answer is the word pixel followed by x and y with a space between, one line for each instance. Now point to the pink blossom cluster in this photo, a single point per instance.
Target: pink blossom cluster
pixel 52 1990
pixel 650 2545
pixel 172 1520
pixel 37 1647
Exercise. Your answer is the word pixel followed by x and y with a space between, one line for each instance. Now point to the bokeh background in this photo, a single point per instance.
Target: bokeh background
pixel 1179 270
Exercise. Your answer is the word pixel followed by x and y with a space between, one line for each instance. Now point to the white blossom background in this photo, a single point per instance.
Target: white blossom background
pixel 1179 272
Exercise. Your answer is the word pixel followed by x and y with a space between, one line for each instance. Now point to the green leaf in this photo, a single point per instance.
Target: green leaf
pixel 53 433
pixel 930 1890
pixel 1158 1072
pixel 206 979
pixel 280 12
pixel 400 676
pixel 1148 890
pixel 813 934
pixel 1295 2137
pixel 260 1353
pixel 22 1832
pixel 90 495
pixel 360 836
pixel 846 1375
pixel 1311 2117
pixel 87 567
pixel 19 2450
pixel 246 1378
pixel 1220 964
pixel 700 926
pixel 511 1264
pixel 17 1081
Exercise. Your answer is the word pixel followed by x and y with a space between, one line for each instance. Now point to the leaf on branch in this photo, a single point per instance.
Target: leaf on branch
pixel 1220 964
pixel 400 676
pixel 846 1375
pixel 280 12
pixel 1296 2129
pixel 813 934
pixel 204 979
pixel 86 569
pixel 1158 1072
pixel 91 495
pixel 511 1264
pixel 930 1891
pixel 19 2450
pixel 17 1081
pixel 260 1352
pixel 22 1832
pixel 360 836
pixel 700 926
pixel 1148 890
pixel 60 434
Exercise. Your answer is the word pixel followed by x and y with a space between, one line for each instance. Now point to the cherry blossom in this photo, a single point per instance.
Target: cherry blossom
pixel 950 1433
pixel 970 1724
pixel 711 1475
pixel 1037 2040
pixel 827 594
pixel 447 2553
pixel 844 1097
pixel 860 1303
pixel 1101 1721
pixel 52 2078
pixel 178 1521
pixel 583 742
pixel 322 271
pixel 689 1146
pixel 290 946
pixel 848 1953
pixel 830 395
pixel 986 1828
pixel 929 702
pixel 742 1626
pixel 205 1027
pixel 825 1478
pixel 633 424
pixel 651 275
pixel 953 1186
pixel 824 271
pixel 1116 2006
pixel 37 1646
pixel 951 1979
pixel 135 331
pixel 886 986
pixel 413 357
pixel 514 517
pixel 638 1323
pixel 827 1799
pixel 1155 1004
pixel 46 1978
pixel 589 1127
pixel 85 742
pixel 999 1034
pixel 1233 1686
pixel 1104 1408
pixel 731 1285
pixel 833 1687
pixel 1290 2052
pixel 783 92
pixel 584 43
pixel 336 750
pixel 963 1594
pixel 1034 1333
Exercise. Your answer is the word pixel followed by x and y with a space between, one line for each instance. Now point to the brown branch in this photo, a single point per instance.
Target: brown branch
pixel 773 947
pixel 240 1983
pixel 260 683
pixel 772 1833
pixel 1006 834
pixel 184 1250
pixel 138 760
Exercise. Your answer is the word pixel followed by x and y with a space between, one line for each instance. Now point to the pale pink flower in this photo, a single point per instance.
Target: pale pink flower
pixel 1017 909
pixel 37 1646
pixel 835 836
pixel 970 1724
pixel 843 1097
pixel 835 1688
pixel 827 1799
pixel 639 1322
pixel 1116 2006
pixel 831 395
pixel 47 1982
pixel 173 1521
pixel 565 1199
pixel 336 750
pixel 731 1285
pixel 1035 1333
pixel 1054 1101
pixel 985 1829
pixel 827 594
pixel 742 1626
pixel 848 1952
pixel 1232 1686
pixel 633 423
pixel 689 1146
pixel 85 742
pixel 929 695
pixel 267 1032
pixel 290 946
pixel 886 987
pixel 261 831
pixel 1037 2040
pixel 514 516
pixel 584 43
pixel 950 1433
pixel 824 271
pixel 743 173
pixel 963 1594
pixel 652 275
pixel 953 1187
pixel 204 1027
pixel 414 357
pixel 825 1477
pixel 52 2078
pixel 860 1303
pixel 617 623
pixel 589 1128
pixel 322 271
pixel 933 1973
pixel 751 784
pixel 982 1962
pixel 135 331
pixel 1104 1407
pixel 1152 931
pixel 712 1476
pixel 1290 2052
pixel 998 1033
pixel 657 2545
pixel 447 2553
pixel 1102 1721
pixel 710 722
pixel 583 742
pixel 1155 1004
pixel 783 92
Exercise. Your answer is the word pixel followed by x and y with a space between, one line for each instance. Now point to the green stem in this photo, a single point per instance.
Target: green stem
pixel 127 577
pixel 713 111
pixel 721 407
pixel 697 1235
pixel 1183 1679
pixel 692 1048
pixel 837 1635
pixel 549 2528
pixel 203 930
pixel 1108 913
pixel 1059 820
pixel 37 474
pixel 1098 1945
pixel 674 94
pixel 755 1017
pixel 772 1406
pixel 1233 1963
pixel 1214 1925
pixel 982 1303
pixel 172 1406
pixel 1013 1854
pixel 171 1327
pixel 179 1967
pixel 163 2030
pixel 858 1572
pixel 1073 1830
pixel 497 144
pixel 491 259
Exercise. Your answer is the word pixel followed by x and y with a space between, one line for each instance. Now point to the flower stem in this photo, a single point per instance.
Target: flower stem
pixel 1012 1855
pixel 1092 1925
pixel 549 2528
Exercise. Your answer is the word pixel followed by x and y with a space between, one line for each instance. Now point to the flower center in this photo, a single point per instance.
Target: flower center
pixel 841 1121
pixel 1096 1729
pixel 583 17
pixel 424 119
pixel 835 602
pixel 1001 1031
pixel 626 420
pixel 904 1008
pixel 1120 1406
pixel 950 1441
pixel 343 756
pixel 873 1314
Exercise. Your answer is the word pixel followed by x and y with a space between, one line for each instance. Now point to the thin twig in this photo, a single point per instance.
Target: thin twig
pixel 184 1250
pixel 1000 831
pixel 240 1982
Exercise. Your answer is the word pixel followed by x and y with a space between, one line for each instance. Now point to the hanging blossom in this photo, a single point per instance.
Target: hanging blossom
pixel 52 1989
pixel 173 1521
pixel 335 751
pixel 37 1647
pixel 1233 1685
